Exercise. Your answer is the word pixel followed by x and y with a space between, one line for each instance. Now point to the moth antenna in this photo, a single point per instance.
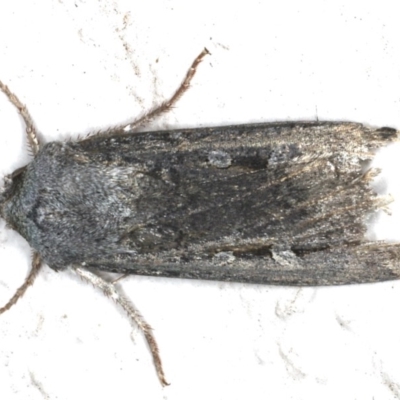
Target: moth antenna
pixel 35 268
pixel 30 129
pixel 110 291
pixel 164 107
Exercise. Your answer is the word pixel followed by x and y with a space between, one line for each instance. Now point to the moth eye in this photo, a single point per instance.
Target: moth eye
pixel 8 181
pixel 7 184
pixel 17 172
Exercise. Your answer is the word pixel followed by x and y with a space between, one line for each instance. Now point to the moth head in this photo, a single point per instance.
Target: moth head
pixel 10 182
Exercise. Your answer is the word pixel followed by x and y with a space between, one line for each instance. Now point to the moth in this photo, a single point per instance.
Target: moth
pixel 274 203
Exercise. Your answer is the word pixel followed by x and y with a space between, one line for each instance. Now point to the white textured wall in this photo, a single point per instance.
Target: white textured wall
pixel 86 65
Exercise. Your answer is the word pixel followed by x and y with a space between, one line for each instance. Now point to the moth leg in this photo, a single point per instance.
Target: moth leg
pixel 165 106
pixel 36 265
pixel 162 108
pixel 109 290
pixel 30 129
pixel 116 280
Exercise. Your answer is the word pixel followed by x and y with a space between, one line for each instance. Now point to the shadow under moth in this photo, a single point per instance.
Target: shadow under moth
pixel 274 203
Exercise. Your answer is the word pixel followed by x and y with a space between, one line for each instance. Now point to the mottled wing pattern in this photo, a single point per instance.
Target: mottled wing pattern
pixel 270 203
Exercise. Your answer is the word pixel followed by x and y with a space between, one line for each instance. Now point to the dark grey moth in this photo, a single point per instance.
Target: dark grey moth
pixel 275 203
pixel 272 203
